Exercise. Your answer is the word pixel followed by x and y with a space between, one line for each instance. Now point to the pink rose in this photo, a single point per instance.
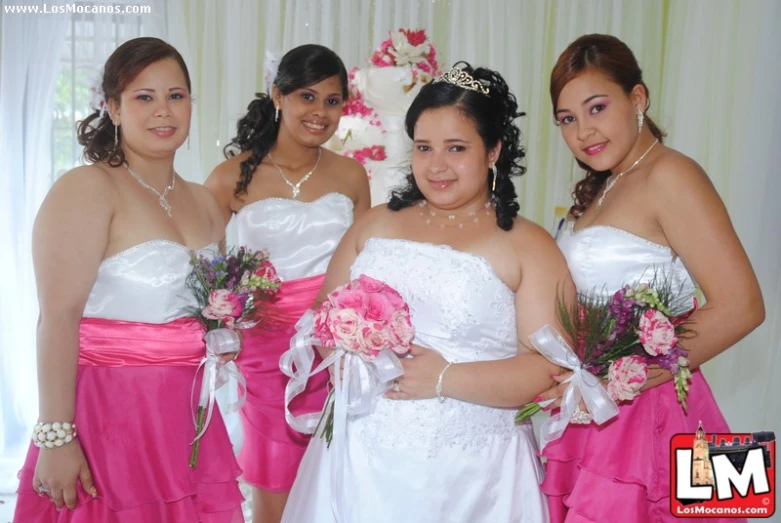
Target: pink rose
pixel 268 271
pixel 368 284
pixel 403 331
pixel 345 325
pixel 223 304
pixel 378 307
pixel 656 333
pixel 350 299
pixel 371 341
pixel 321 325
pixel 626 376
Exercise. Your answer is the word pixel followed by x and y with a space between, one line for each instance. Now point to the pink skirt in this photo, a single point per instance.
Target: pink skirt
pixel 134 419
pixel 620 471
pixel 272 451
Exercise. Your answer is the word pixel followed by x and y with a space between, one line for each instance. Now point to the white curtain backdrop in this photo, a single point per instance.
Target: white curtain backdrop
pixel 28 71
pixel 711 67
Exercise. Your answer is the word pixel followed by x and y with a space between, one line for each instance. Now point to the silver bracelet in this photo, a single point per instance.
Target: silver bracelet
pixel 438 388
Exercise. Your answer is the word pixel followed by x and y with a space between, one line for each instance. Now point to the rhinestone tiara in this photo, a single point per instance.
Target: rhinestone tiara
pixel 463 80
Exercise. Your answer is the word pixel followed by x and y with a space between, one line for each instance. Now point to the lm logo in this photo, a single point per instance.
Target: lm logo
pixel 724 475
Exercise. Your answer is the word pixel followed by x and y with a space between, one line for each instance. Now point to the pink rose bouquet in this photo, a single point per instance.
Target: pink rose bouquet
pixel 363 319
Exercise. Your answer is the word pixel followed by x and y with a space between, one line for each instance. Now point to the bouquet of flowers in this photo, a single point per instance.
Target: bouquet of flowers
pixel 229 290
pixel 368 325
pixel 617 339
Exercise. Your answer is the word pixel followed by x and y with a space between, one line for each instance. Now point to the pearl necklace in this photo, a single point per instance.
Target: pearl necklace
pixel 161 197
pixel 472 215
pixel 609 185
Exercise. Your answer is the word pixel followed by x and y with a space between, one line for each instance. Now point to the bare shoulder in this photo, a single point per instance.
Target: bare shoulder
pixel 674 172
pixel 346 167
pixel 372 223
pixel 533 243
pixel 226 174
pixel 87 184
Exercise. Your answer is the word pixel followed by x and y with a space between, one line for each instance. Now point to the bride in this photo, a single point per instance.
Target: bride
pixel 442 445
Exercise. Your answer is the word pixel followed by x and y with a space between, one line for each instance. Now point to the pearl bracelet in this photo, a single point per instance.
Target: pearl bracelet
pixel 438 388
pixel 53 435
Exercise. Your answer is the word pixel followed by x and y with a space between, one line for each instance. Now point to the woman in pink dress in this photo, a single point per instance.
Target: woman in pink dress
pixel 642 207
pixel 117 352
pixel 295 199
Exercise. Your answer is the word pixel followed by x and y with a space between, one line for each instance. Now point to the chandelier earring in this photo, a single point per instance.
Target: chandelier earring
pixel 640 120
pixel 493 184
pixel 276 114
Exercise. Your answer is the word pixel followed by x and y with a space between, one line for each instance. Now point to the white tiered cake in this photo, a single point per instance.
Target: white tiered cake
pixel 372 128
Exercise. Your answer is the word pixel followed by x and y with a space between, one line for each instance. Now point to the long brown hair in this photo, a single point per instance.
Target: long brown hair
pixel 96 131
pixel 611 57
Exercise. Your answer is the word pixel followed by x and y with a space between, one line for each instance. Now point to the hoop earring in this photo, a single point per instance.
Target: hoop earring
pixel 276 114
pixel 640 119
pixel 493 185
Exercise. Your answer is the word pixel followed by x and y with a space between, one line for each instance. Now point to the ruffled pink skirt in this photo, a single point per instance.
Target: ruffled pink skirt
pixel 620 471
pixel 135 427
pixel 272 451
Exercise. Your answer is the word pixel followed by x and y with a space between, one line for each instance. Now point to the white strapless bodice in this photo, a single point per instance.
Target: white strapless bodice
pixel 603 259
pixel 300 237
pixel 146 283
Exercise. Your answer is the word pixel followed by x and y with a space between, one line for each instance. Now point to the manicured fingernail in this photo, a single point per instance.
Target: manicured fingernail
pixel 93 491
pixel 546 409
pixel 537 399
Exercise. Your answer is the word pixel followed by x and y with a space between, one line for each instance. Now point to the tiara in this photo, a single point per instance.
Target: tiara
pixel 463 80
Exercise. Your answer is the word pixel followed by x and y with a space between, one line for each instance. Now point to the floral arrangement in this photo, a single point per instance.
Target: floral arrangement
pixel 229 291
pixel 408 47
pixel 363 318
pixel 617 339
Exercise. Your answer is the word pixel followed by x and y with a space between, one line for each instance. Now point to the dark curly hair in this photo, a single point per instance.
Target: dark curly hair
pixel 96 131
pixel 611 57
pixel 493 115
pixel 257 131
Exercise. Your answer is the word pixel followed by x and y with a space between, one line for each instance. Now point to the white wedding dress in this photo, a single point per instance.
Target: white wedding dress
pixel 424 461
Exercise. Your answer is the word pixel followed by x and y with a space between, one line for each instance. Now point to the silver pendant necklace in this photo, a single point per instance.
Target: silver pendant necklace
pixel 161 197
pixel 609 185
pixel 297 187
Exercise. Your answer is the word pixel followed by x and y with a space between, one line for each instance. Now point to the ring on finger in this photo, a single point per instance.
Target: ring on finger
pixel 44 490
pixel 396 386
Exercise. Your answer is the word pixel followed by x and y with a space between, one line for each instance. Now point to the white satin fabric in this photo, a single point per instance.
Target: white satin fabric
pixel 145 283
pixel 425 461
pixel 300 237
pixel 603 259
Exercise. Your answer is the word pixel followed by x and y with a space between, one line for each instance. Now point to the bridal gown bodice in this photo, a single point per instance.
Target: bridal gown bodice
pixel 426 460
pixel 300 237
pixel 146 283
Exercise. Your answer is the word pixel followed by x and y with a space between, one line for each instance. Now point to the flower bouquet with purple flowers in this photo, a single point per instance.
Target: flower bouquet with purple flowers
pixel 617 339
pixel 229 290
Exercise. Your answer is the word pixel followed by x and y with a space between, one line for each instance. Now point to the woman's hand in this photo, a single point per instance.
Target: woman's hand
pixel 56 473
pixel 421 373
pixel 557 392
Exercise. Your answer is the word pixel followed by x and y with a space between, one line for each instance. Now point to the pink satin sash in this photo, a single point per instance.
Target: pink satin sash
pixel 294 298
pixel 112 343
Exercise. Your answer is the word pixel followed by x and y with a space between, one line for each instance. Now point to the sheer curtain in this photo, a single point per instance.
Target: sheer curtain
pixel 48 62
pixel 28 69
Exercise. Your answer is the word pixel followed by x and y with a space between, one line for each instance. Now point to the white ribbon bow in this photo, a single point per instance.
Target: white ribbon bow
pixel 583 384
pixel 216 374
pixel 355 394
